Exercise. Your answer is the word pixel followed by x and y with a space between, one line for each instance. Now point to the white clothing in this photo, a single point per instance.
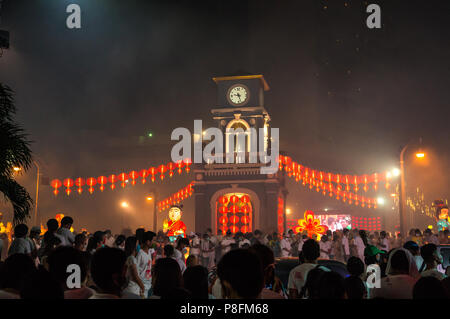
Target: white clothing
pixel 144 269
pixel 132 287
pixel 196 247
pixel 433 273
pixel 346 245
pixel 360 247
pixel 226 245
pixel 395 287
pixel 298 276
pixel 66 236
pixel 285 246
pixel 326 246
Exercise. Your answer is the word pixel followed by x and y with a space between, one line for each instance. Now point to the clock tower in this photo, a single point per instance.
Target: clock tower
pixel 237 197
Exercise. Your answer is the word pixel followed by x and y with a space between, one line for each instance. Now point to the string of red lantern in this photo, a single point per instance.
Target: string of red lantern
pixel 301 172
pixel 176 197
pixel 122 177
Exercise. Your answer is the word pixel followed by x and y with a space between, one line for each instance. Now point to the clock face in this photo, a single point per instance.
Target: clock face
pixel 238 94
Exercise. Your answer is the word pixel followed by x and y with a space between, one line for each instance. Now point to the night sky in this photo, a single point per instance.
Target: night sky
pixel 345 97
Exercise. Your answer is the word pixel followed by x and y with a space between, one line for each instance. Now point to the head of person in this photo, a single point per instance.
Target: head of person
pixel 14 271
pixel 355 266
pixel 275 236
pixel 120 242
pixel 182 243
pixel 431 255
pixel 383 234
pixel 169 251
pixel 20 231
pixel 108 270
pixel 60 259
pixel 40 285
pixel 429 288
pixel 427 232
pixel 228 233
pixel 345 232
pixel 324 238
pixel 66 222
pixel 418 233
pixel 166 277
pixel 140 234
pixel 413 247
pixel 35 232
pixel 354 287
pixel 241 275
pixel 100 237
pixel 147 239
pixel 399 263
pixel 209 231
pixel 80 242
pixel 331 286
pixel 52 225
pixel 266 256
pixel 372 255
pixel 131 246
pixel 196 281
pixel 257 234
pixel 192 261
pixel 412 232
pixel 311 251
pixel 312 284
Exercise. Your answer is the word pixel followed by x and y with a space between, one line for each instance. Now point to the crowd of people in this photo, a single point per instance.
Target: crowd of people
pixel 208 266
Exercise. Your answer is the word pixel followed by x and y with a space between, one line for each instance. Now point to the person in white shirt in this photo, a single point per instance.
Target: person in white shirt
pixel 298 275
pixel 432 259
pixel 325 247
pixel 345 244
pixel 359 243
pixel 144 261
pixel 135 284
pixel 302 240
pixel 169 252
pixel 68 238
pixel 384 241
pixel 285 246
pixel 195 245
pixel 402 274
pixel 207 249
pixel 227 242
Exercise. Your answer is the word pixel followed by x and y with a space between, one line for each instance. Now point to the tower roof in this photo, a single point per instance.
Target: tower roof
pixel 243 76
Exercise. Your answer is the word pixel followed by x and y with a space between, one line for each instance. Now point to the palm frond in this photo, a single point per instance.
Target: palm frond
pixel 19 198
pixel 7 107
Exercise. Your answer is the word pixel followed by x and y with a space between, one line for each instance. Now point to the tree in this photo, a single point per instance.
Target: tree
pixel 14 152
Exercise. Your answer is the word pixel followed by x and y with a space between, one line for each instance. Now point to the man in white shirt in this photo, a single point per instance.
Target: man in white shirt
pixel 227 242
pixel 345 244
pixel 359 243
pixel 285 246
pixel 325 247
pixel 67 237
pixel 298 275
pixel 385 244
pixel 144 261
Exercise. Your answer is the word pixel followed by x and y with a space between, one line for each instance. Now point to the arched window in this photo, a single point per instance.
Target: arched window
pixel 240 139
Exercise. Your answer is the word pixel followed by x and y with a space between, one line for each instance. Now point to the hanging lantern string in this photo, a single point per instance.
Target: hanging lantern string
pixel 176 197
pixel 122 178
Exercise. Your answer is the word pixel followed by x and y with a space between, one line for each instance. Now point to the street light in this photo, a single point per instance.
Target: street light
pixel 288 211
pixel 402 193
pixel 124 204
pixel 17 169
pixel 153 197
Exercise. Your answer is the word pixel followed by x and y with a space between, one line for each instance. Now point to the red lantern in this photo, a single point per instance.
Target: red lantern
pixel 234 219
pixel 162 169
pixel 79 182
pixel 223 219
pixel 56 183
pixel 245 219
pixel 143 173
pixel 245 229
pixel 245 199
pixel 152 171
pixel 223 200
pixel 133 175
pixel 223 209
pixel 68 183
pixel 234 229
pixel 171 167
pixel 187 163
pixel 245 209
pixel 112 179
pixel 234 199
pixel 102 180
pixel 91 181
pixel 122 177
pixel 180 165
pixel 234 209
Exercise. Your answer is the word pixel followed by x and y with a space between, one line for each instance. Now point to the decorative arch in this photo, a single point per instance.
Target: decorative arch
pixel 238 123
pixel 254 199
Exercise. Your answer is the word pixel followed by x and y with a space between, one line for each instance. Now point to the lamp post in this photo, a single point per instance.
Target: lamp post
pixel 153 197
pixel 402 192
pixel 37 193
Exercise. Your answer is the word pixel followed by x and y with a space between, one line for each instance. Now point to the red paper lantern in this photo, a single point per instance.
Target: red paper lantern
pixel 223 200
pixel 234 229
pixel 245 209
pixel 233 209
pixel 133 175
pixel 56 183
pixel 102 180
pixel 245 219
pixel 143 173
pixel 180 165
pixel 162 169
pixel 91 181
pixel 152 171
pixel 171 167
pixel 223 219
pixel 79 182
pixel 68 183
pixel 187 163
pixel 234 199
pixel 122 177
pixel 234 219
pixel 245 229
pixel 223 209
pixel 112 179
pixel 245 199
